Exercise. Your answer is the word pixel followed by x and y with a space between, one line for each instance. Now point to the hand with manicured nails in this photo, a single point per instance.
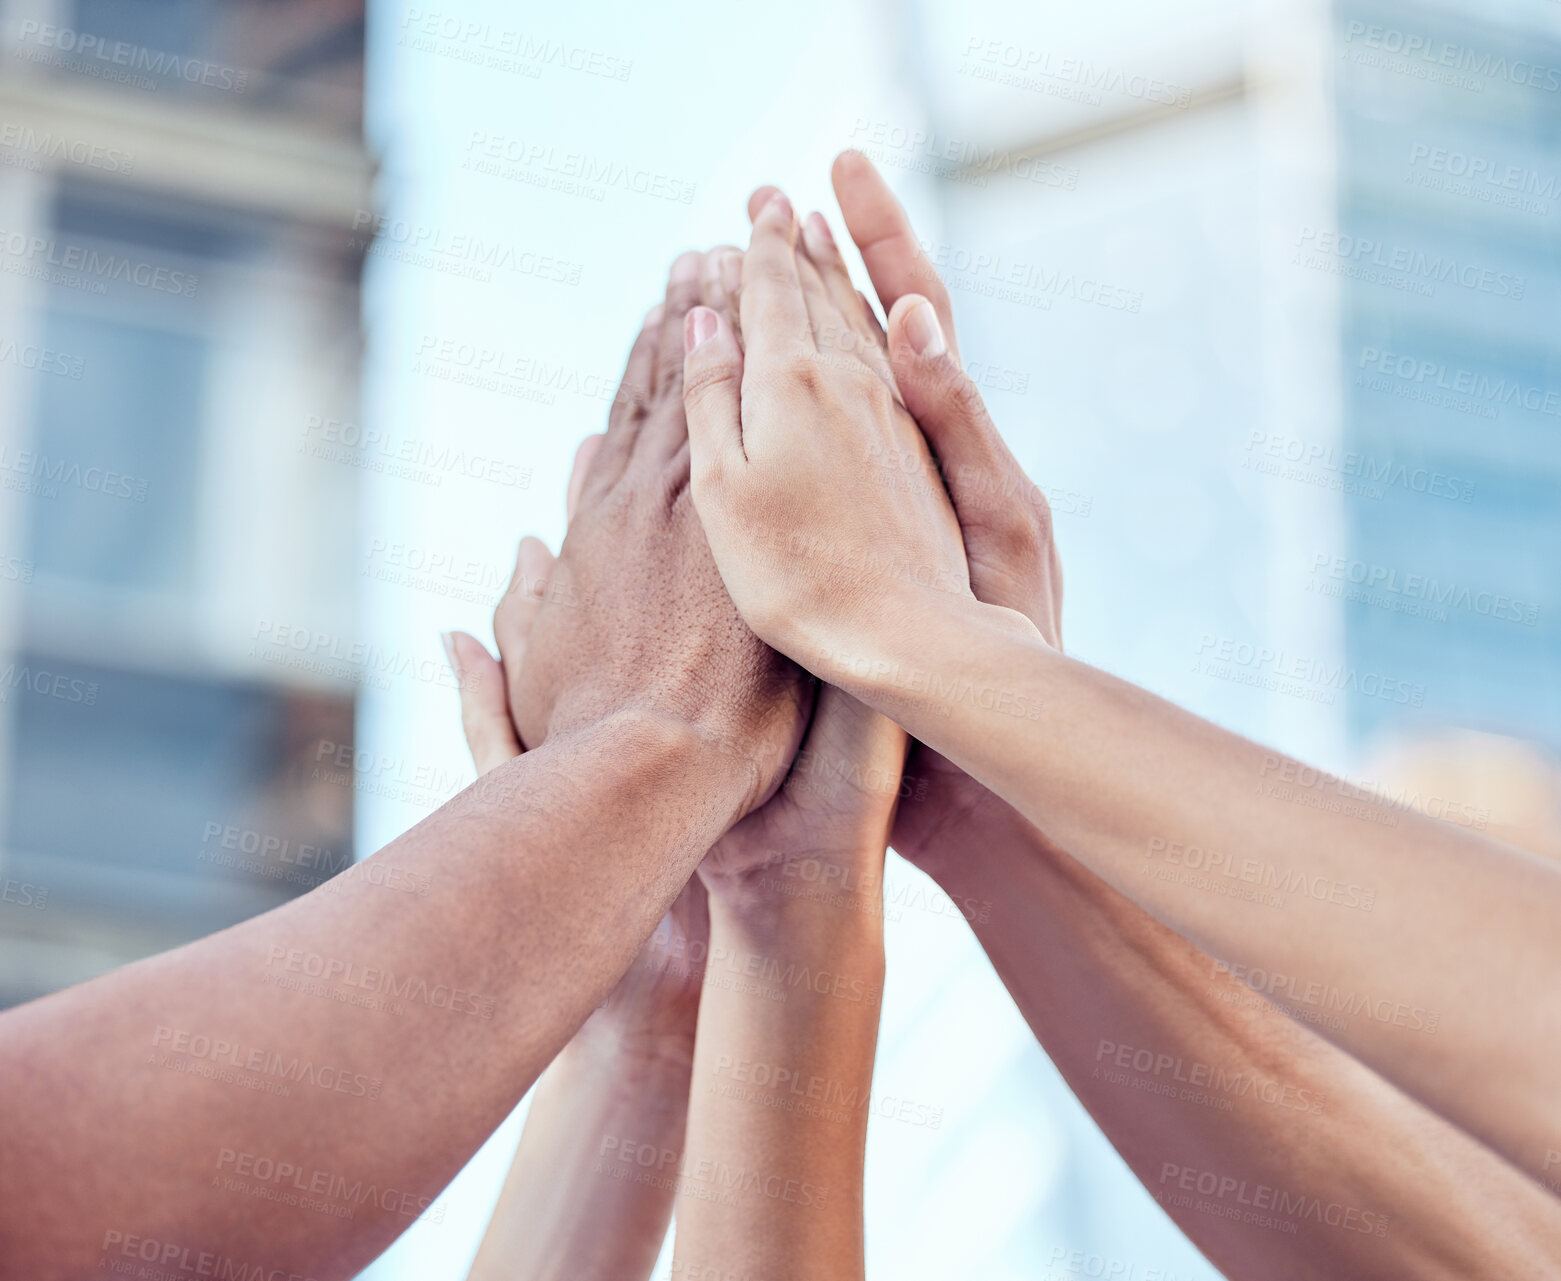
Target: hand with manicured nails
pixel 634 615
pixel 797 434
pixel 1004 519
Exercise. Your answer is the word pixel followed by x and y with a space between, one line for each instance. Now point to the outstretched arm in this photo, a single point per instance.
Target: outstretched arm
pixel 1192 1075
pixel 290 1093
pixel 1163 806
pixel 771 1184
pixel 620 1084
pixel 1278 1153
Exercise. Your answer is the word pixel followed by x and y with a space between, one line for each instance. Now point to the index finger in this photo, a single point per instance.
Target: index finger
pixel 774 315
pixel 884 237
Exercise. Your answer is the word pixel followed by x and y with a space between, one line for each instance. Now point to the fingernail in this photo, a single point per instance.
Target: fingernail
pixel 732 273
pixel 699 328
pixel 820 226
pixel 924 331
pixel 686 268
pixel 653 317
pixel 781 205
pixel 449 652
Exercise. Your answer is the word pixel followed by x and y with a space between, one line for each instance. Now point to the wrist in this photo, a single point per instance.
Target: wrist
pixel 936 656
pixel 797 911
pixel 636 1043
pixel 651 745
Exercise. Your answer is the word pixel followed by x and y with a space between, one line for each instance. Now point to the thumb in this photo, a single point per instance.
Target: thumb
pixel 712 396
pixel 484 702
pixel 975 460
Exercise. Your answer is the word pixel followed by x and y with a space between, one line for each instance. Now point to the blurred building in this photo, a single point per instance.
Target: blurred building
pixel 181 193
pixel 1449 255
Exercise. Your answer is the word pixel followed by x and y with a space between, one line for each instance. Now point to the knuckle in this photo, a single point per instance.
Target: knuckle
pixel 774 271
pixel 1040 510
pixel 965 400
pixel 704 382
pixel 801 373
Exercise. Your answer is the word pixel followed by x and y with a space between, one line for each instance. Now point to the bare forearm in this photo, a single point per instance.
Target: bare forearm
pixel 582 1201
pixel 1337 913
pixel 1277 1153
pixel 361 1038
pixel 772 1180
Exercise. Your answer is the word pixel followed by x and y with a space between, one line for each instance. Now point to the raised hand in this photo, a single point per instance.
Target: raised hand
pixel 634 614
pixel 1004 519
pixel 786 436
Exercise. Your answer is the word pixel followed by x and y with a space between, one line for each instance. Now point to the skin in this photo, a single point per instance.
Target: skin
pixel 1070 977
pixel 788 1023
pixel 542 882
pixel 621 1084
pixel 591 1186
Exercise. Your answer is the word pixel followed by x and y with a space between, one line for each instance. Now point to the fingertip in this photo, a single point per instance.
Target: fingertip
pixel 590 447
pixel 914 320
pixel 849 161
pixel 470 662
pixel 701 325
pixel 535 562
pixel 686 269
pixel 759 199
